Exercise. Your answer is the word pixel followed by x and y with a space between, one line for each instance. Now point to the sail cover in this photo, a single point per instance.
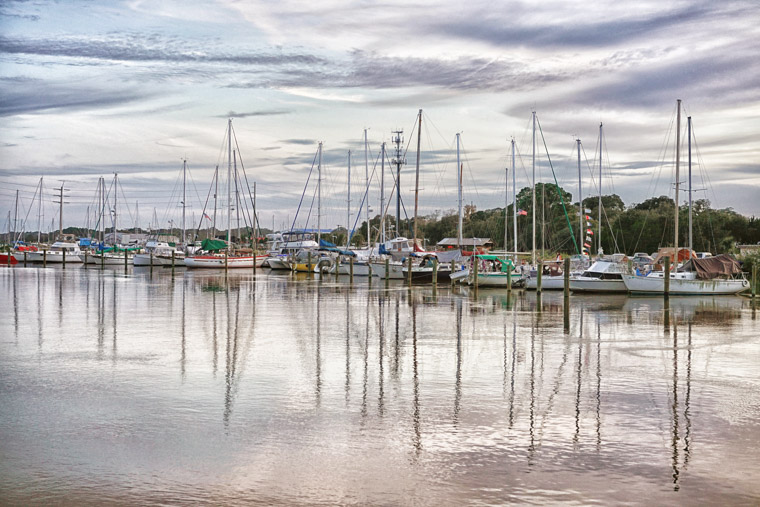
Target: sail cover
pixel 213 245
pixel 720 266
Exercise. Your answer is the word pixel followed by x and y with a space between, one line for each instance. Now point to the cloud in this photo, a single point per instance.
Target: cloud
pixel 302 142
pixel 273 112
pixel 28 96
pixel 145 48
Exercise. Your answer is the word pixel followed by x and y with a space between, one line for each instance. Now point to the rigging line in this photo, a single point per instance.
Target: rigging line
pixel 561 198
pixel 253 222
pixel 205 205
pixel 361 206
pixel 304 191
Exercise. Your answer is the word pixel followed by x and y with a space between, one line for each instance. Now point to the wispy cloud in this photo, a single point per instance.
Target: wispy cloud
pixel 27 96
pixel 271 112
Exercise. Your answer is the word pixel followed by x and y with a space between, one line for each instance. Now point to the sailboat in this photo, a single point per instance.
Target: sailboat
pixel 423 271
pixel 716 275
pixel 220 254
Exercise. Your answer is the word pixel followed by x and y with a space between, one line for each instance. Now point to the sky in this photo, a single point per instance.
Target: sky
pixel 94 88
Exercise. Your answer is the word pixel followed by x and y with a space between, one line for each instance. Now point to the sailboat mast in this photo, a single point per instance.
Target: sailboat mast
pixel 115 196
pixel 39 215
pixel 184 198
pixel 382 193
pixel 534 189
pixel 60 214
pixel 506 206
pixel 459 197
pixel 237 195
pixel 581 210
pixel 678 176
pixel 688 122
pixel 514 198
pixel 102 209
pixel 348 199
pixel 229 180
pixel 599 219
pixel 216 194
pixel 319 196
pixel 417 176
pixel 366 181
pixel 15 220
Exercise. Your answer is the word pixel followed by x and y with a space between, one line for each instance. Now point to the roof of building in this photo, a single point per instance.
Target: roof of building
pixel 465 242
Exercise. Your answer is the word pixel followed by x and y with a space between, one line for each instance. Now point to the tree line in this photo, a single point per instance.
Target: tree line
pixel 640 227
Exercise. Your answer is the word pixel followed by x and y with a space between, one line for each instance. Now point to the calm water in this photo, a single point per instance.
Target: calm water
pixel 278 389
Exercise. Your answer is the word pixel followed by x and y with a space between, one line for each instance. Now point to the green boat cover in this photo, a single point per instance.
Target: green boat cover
pixel 213 245
pixel 505 263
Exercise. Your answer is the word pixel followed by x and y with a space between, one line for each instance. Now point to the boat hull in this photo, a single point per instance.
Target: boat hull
pixel 217 262
pixel 547 283
pixel 158 260
pixel 395 270
pixel 683 287
pixel 360 269
pixel 52 257
pixel 589 284
pixel 497 280
pixel 103 259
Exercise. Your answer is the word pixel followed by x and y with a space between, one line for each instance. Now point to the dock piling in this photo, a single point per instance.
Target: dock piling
pixel 666 278
pixel 540 273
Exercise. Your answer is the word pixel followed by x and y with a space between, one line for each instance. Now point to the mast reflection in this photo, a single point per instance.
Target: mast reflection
pixel 458 382
pixel 416 384
pixel 674 407
pixel 381 357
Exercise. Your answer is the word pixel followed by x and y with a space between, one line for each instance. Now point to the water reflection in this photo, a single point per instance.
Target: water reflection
pixel 377 392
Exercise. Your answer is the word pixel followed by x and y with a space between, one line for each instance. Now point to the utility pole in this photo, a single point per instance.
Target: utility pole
pixel 61 202
pixel 399 161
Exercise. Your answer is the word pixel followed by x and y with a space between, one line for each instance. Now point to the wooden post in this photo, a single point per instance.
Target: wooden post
pixel 666 279
pixel 351 269
pixel 540 274
pixel 409 272
pixel 44 258
pixel 475 271
pixel 254 261
pixel 509 279
pixel 126 260
pixel 63 258
pixel 370 274
pixel 387 269
pixel 24 258
pixel 151 259
pixel 567 279
pixel 435 272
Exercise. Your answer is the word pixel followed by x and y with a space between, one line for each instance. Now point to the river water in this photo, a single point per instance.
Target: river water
pixel 200 388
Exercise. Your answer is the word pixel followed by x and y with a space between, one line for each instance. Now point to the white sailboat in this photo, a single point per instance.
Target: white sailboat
pixel 218 256
pixel 717 275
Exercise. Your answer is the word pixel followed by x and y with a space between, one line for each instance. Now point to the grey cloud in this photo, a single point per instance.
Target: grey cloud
pixel 273 112
pixel 502 32
pixel 303 142
pixel 127 47
pixel 36 96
